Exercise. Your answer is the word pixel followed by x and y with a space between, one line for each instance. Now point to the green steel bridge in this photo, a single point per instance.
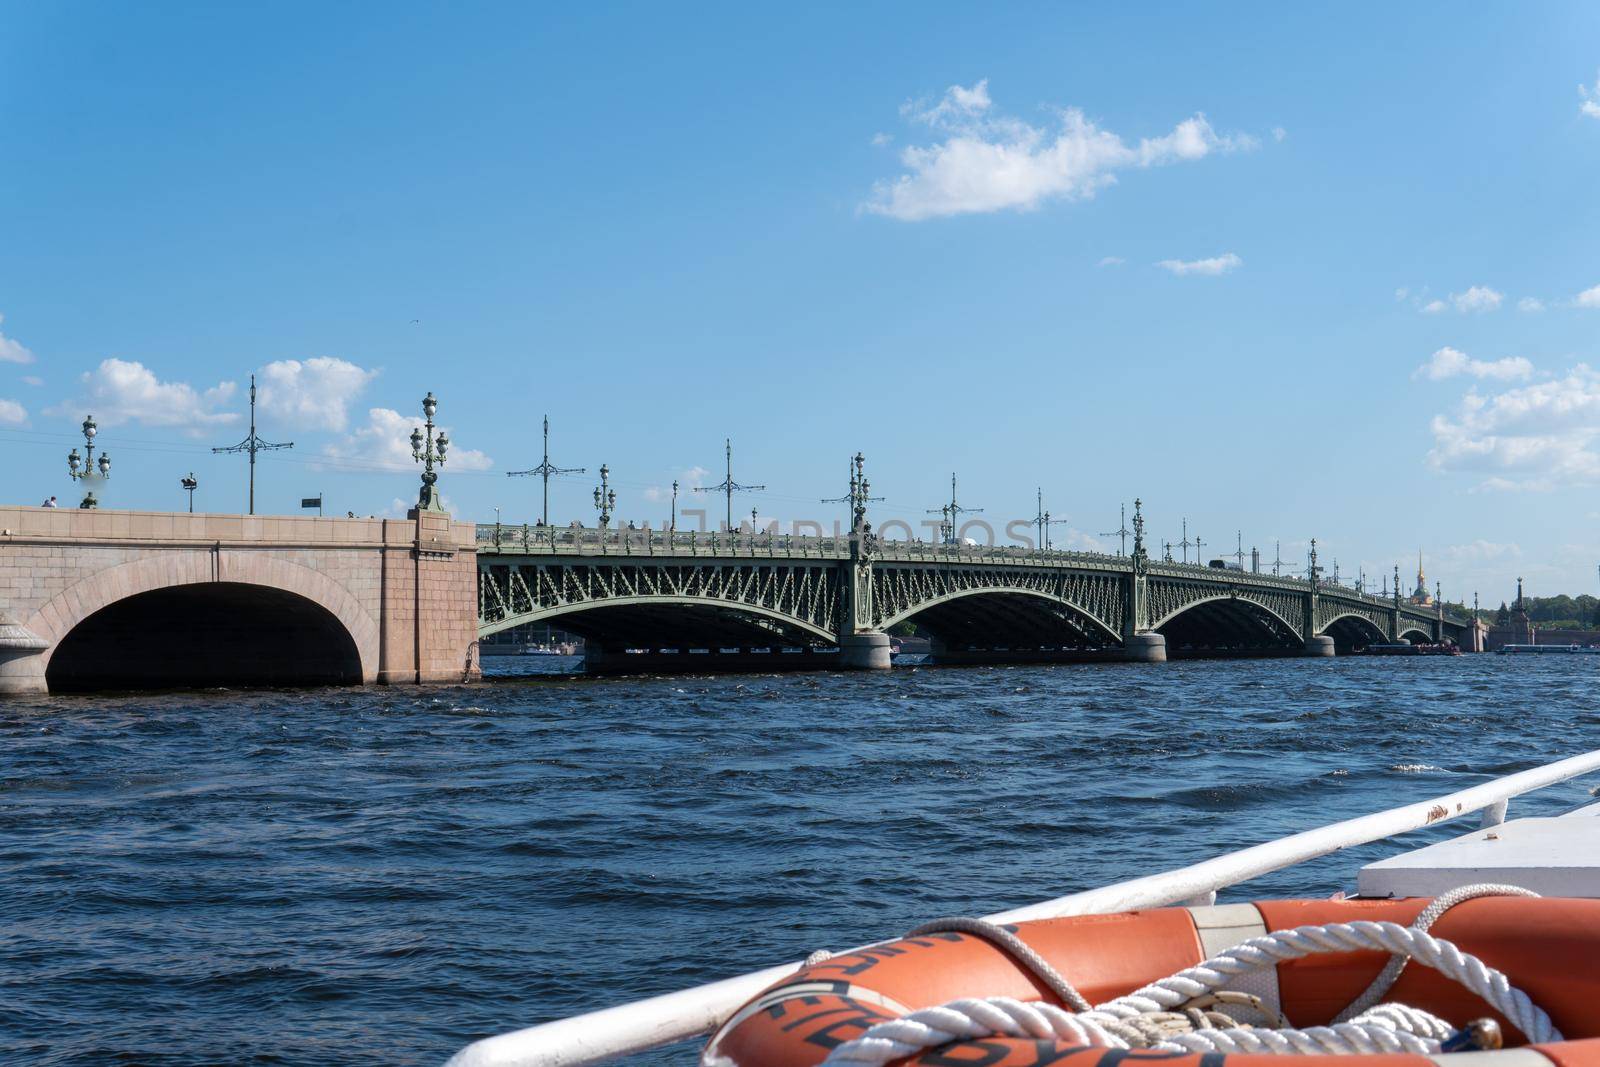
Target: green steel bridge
pixel 657 599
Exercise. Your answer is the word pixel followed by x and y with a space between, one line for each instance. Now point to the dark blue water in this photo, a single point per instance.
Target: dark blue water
pixel 380 876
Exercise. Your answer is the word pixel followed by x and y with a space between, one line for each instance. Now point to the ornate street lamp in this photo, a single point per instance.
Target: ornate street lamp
pixel 189 484
pixel 84 466
pixel 428 448
pixel 605 497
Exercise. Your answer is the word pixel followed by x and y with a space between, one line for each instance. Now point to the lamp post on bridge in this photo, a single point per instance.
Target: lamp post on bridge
pixel 544 470
pixel 1185 543
pixel 253 444
pixel 1121 531
pixel 605 498
pixel 190 485
pixel 674 526
pixel 82 468
pixel 1042 520
pixel 428 448
pixel 859 495
pixel 729 486
pixel 952 513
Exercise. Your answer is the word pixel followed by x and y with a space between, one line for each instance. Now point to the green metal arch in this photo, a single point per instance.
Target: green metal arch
pixel 993 590
pixel 1352 614
pixel 485 629
pixel 1294 627
pixel 1408 626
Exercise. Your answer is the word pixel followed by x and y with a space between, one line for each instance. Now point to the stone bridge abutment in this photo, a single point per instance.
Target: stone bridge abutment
pixel 108 599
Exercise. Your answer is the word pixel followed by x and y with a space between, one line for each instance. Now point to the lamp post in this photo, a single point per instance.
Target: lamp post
pixel 83 467
pixel 428 448
pixel 605 497
pixel 189 484
pixel 253 444
pixel 674 526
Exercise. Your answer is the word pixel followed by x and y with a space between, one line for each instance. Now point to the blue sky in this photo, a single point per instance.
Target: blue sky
pixel 1268 269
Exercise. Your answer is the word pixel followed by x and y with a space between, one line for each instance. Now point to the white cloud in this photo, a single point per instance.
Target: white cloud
pixel 1478 298
pixel 1080 540
pixel 11 351
pixel 1111 261
pixel 1591 99
pixel 1279 133
pixel 881 139
pixel 385 442
pixel 316 393
pixel 32 379
pixel 989 163
pixel 12 413
pixel 1530 303
pixel 1589 298
pixel 1401 293
pixel 1208 267
pixel 1449 363
pixel 122 391
pixel 1539 436
pixel 688 479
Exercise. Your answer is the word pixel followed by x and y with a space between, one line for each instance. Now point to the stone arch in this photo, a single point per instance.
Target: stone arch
pixel 577 608
pixel 72 606
pixel 1409 627
pixel 1098 627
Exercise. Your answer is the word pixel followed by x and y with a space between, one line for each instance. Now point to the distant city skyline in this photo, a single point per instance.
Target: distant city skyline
pixel 1331 278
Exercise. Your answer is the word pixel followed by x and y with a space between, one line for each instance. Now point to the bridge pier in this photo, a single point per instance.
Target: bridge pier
pixel 1320 645
pixel 21 666
pixel 864 652
pixel 1146 648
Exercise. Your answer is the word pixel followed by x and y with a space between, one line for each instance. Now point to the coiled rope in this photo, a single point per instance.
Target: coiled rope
pixel 1160 1016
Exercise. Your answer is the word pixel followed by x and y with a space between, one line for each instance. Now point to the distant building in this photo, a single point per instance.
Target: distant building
pixel 1421 597
pixel 1517 628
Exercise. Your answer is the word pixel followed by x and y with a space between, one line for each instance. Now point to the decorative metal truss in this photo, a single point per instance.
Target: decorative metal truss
pixel 901 591
pixel 1278 611
pixel 669 590
pixel 795 599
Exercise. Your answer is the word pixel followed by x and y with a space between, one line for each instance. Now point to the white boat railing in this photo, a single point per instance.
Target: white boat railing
pixel 600 1036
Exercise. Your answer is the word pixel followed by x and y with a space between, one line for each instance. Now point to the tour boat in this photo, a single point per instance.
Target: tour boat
pixel 1476 951
pixel 1405 648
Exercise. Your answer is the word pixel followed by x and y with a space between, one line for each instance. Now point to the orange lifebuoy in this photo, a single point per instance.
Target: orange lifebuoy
pixel 1548 947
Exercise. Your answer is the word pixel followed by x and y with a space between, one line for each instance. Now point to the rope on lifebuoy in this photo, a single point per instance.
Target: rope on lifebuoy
pixel 1151 1017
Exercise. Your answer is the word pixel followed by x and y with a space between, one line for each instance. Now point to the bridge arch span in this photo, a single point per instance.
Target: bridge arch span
pixel 1226 620
pixel 1001 598
pixel 671 621
pixel 1351 630
pixel 210 617
pixel 1415 632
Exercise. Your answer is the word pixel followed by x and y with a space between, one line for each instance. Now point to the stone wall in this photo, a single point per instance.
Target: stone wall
pixel 405 590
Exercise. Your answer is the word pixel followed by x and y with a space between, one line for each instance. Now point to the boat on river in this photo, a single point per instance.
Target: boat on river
pixel 1406 648
pixel 1554 650
pixel 1474 951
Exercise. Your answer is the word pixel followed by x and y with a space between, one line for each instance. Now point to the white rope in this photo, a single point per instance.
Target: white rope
pixel 1133 1021
pixel 1424 921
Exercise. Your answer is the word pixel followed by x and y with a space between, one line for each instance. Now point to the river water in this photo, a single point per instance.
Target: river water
pixel 378 876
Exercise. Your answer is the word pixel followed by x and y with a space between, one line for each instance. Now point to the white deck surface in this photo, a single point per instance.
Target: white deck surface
pixel 1557 857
